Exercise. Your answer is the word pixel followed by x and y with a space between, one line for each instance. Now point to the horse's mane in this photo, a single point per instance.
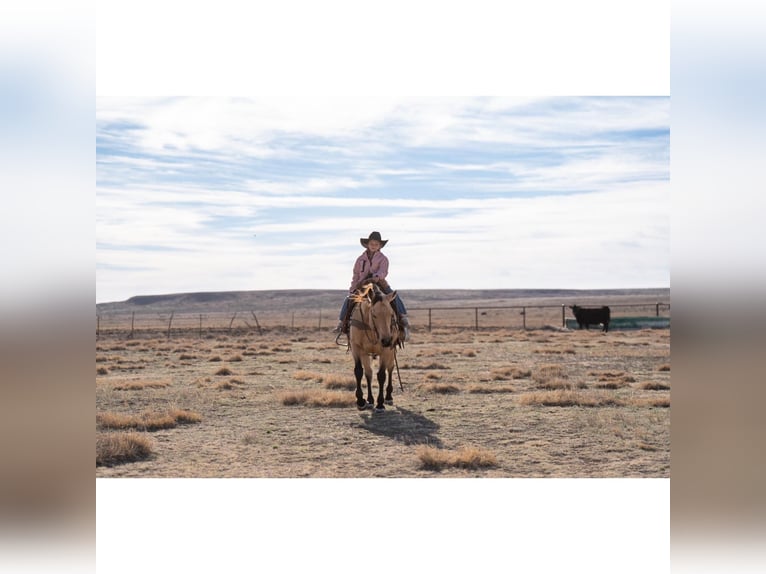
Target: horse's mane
pixel 363 293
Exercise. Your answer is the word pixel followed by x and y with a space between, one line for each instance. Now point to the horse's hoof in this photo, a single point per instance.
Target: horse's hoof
pixel 380 409
pixel 369 405
pixel 389 401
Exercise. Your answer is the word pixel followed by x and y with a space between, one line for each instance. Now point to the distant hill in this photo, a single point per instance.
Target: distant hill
pixel 282 300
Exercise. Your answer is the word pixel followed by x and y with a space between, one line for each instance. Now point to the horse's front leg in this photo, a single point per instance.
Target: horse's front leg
pixel 390 388
pixel 381 383
pixel 358 370
pixel 367 375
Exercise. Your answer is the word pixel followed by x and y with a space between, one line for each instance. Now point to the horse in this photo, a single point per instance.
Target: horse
pixel 373 331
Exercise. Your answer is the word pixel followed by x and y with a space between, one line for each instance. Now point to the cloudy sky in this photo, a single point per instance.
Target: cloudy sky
pixel 218 194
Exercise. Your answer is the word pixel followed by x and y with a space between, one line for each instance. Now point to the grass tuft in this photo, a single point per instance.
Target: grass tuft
pixel 119 448
pixel 567 398
pixel 555 384
pixel 141 385
pixel 428 367
pixel 339 382
pixel 545 373
pixel 468 457
pixel 148 420
pixel 316 398
pixel 505 373
pixel 488 389
pixel 440 388
pixel 652 386
pixel 611 384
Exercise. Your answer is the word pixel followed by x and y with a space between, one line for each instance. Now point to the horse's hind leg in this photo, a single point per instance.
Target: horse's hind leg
pixel 358 370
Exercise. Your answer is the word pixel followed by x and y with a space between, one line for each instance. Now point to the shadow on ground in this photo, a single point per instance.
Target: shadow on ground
pixel 402 425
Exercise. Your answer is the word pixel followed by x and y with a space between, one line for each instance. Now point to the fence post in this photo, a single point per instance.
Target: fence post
pixel 170 322
pixel 429 320
pixel 320 319
pixel 658 309
pixel 524 317
pixel 200 325
pixel 132 323
pixel 257 324
pixel 476 318
pixel 563 316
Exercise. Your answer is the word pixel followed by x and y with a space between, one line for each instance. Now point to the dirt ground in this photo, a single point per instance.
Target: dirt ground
pixel 542 403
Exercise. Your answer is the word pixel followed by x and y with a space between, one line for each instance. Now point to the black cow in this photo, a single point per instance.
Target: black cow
pixel 592 316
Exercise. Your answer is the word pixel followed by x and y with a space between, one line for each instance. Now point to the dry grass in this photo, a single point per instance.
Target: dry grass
pixel 505 373
pixel 224 372
pixel 307 376
pixel 547 372
pixel 468 457
pixel 652 386
pixel 611 384
pixel 229 385
pixel 140 385
pixel 148 420
pixel 316 398
pixel 428 367
pixel 555 351
pixel 338 382
pixel 554 384
pixel 248 432
pixel 567 398
pixel 487 389
pixel 659 402
pixel 607 375
pixel 440 388
pixel 664 368
pixel 119 448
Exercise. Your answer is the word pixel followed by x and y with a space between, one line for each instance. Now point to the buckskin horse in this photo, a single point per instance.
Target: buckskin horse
pixel 373 331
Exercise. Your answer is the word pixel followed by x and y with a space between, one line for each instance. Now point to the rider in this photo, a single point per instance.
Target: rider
pixel 371 265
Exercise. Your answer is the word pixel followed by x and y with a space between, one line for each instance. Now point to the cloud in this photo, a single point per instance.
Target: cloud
pixel 475 192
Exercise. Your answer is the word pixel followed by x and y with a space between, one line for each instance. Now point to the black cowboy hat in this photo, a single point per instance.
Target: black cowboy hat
pixel 374 235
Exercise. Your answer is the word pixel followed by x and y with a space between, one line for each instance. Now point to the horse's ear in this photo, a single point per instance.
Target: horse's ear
pixel 391 296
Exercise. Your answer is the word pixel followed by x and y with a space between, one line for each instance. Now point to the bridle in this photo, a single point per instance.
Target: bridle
pixel 368 325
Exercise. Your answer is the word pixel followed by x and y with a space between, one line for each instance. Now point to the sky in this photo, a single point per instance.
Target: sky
pixel 224 194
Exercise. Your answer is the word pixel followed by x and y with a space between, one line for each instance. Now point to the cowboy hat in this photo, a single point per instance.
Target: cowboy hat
pixel 374 235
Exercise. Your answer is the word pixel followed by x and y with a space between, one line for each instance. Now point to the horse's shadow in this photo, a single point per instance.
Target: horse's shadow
pixel 402 425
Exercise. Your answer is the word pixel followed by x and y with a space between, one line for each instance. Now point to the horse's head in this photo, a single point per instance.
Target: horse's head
pixel 382 317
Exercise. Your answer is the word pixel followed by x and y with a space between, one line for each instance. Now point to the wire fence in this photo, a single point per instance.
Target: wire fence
pixel 133 325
